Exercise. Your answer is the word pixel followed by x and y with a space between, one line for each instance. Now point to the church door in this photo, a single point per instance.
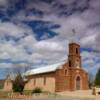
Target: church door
pixel 78 83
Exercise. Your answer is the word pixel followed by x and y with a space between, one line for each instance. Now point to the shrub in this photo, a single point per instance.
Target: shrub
pixel 37 90
pixel 18 84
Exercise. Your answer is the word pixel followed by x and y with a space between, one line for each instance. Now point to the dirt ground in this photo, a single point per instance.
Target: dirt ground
pixel 53 98
pixel 84 95
pixel 76 95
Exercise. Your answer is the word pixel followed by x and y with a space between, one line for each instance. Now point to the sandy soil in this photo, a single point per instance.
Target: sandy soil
pixel 86 94
pixel 76 95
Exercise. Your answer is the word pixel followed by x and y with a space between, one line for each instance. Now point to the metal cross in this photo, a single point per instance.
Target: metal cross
pixel 73 32
pixel 73 35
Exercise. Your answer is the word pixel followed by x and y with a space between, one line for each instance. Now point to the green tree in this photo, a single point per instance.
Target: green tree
pixel 18 84
pixel 97 79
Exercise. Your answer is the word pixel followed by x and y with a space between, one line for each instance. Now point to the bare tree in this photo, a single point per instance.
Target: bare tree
pixel 19 69
pixel 19 80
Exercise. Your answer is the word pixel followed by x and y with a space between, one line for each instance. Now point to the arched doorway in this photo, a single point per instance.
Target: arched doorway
pixel 77 83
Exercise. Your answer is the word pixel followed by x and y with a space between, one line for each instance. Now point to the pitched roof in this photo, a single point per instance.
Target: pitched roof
pixel 45 69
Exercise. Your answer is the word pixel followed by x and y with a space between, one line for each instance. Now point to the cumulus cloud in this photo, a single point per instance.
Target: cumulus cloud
pixel 52 46
pixel 9 28
pixel 3 2
pixel 83 16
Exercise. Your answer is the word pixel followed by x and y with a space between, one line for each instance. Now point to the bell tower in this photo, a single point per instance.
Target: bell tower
pixel 74 58
pixel 71 76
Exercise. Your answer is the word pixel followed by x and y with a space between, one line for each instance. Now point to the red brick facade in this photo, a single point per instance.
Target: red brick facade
pixel 72 77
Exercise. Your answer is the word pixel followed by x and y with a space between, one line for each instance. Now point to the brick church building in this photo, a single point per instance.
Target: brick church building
pixel 64 76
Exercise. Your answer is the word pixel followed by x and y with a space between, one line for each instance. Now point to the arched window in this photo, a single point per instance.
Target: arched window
pixel 76 50
pixel 70 63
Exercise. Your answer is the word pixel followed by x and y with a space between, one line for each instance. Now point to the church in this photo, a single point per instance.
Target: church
pixel 64 76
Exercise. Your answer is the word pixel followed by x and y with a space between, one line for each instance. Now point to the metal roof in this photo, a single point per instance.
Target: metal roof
pixel 45 69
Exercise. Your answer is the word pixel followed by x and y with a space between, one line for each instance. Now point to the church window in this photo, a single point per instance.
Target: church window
pixel 76 50
pixel 44 80
pixel 69 63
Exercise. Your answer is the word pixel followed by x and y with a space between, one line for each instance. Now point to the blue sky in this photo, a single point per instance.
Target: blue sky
pixel 37 32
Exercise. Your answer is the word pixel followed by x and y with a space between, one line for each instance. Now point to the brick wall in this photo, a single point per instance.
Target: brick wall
pixel 7 85
pixel 45 81
pixel 68 82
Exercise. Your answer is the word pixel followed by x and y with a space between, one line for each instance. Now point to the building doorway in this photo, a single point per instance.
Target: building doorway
pixel 78 83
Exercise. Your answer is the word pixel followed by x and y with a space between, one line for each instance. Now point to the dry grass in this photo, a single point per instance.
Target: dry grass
pixel 50 96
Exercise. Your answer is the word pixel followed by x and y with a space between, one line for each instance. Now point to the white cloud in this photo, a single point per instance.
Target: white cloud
pixel 88 55
pixel 89 62
pixel 49 46
pixel 88 40
pixel 9 28
pixel 5 65
pixel 3 2
pixel 55 49
pixel 98 66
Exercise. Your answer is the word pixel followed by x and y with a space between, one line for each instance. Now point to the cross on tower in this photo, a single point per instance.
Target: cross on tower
pixel 73 35
pixel 74 32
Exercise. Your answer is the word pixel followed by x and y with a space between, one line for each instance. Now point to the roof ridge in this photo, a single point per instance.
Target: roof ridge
pixel 44 69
